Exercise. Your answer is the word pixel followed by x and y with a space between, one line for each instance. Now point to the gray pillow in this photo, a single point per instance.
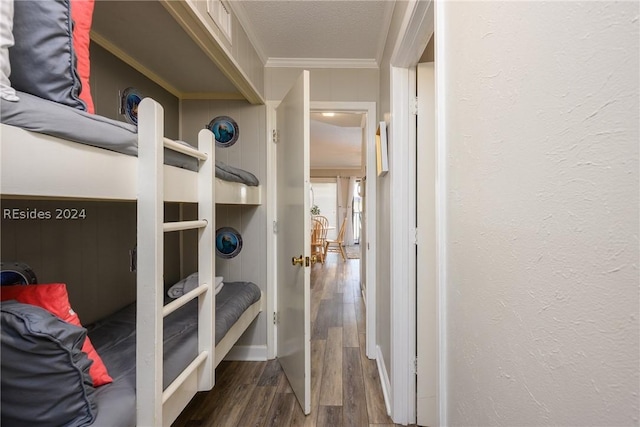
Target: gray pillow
pixel 45 376
pixel 43 61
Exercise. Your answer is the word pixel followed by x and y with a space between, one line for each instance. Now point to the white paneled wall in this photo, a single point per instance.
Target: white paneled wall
pixel 248 153
pixel 90 254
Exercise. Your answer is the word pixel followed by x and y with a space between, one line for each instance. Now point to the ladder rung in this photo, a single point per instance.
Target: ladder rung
pixel 189 151
pixel 177 303
pixel 184 225
pixel 183 376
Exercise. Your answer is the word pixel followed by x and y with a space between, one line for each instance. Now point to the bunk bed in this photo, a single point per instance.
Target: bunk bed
pixel 37 162
pixel 144 394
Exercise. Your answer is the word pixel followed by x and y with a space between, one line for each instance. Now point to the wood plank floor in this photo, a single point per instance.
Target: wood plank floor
pixel 345 387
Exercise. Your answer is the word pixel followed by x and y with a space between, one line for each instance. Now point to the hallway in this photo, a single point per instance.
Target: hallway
pixel 345 388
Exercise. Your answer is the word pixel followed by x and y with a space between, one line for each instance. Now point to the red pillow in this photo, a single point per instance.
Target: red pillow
pixel 54 298
pixel 82 15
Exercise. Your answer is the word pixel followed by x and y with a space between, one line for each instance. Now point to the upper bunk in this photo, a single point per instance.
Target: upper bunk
pixel 39 163
pixel 181 47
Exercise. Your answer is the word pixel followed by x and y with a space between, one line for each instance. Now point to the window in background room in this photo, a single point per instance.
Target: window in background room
pixel 357 212
pixel 325 196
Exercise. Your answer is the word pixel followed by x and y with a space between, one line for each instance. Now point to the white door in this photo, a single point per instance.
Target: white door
pixel 427 326
pixel 294 239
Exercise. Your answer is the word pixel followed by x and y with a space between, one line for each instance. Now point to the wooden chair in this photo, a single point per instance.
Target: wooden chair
pixel 318 238
pixel 323 237
pixel 337 245
pixel 323 219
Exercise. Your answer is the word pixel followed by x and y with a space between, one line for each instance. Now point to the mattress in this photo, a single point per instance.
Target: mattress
pixel 115 337
pixel 39 115
pixel 51 118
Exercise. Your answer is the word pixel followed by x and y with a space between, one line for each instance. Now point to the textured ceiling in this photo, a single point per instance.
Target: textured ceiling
pixel 329 33
pixel 325 29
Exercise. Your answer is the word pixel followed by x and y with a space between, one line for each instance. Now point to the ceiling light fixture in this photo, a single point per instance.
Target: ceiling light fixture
pixel 328 114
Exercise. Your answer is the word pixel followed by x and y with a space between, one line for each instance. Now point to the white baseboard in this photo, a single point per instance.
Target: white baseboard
pixel 248 353
pixel 384 380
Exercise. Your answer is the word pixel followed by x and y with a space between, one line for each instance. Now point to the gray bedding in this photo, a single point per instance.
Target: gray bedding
pixel 114 339
pixel 229 173
pixel 51 118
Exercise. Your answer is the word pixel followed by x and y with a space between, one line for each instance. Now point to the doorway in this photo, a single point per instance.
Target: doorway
pixel 368 111
pixel 368 216
pixel 324 193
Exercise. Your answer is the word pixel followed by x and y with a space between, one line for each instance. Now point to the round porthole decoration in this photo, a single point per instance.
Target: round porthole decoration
pixel 129 104
pixel 225 130
pixel 16 273
pixel 228 242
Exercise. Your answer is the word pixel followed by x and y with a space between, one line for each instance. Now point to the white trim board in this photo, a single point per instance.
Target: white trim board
pixel 93 172
pixel 384 379
pixel 441 210
pixel 403 259
pixel 414 34
pixel 248 353
pixel 272 269
pixel 321 63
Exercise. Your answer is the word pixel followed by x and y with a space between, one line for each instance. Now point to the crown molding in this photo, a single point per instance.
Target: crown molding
pixel 321 63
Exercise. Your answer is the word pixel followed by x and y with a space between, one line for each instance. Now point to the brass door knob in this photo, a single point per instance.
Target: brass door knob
pixel 299 260
pixel 314 259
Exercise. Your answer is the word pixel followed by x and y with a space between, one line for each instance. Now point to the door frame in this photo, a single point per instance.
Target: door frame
pixel 272 248
pixel 427 322
pixel 369 109
pixel 417 28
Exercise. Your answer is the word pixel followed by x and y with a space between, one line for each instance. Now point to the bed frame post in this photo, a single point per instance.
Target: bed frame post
pixel 206 259
pixel 150 266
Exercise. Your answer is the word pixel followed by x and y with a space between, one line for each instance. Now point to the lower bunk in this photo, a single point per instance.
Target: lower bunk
pixel 114 338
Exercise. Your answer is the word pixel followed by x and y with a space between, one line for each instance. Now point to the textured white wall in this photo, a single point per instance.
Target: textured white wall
pixel 542 168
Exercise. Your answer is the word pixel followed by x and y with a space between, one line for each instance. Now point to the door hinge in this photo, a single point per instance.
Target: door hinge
pixel 275 227
pixel 133 259
pixel 275 135
pixel 413 106
pixel 415 366
pixel 414 236
pixel 276 317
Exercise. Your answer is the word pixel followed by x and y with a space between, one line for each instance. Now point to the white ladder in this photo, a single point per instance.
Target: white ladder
pixel 156 407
